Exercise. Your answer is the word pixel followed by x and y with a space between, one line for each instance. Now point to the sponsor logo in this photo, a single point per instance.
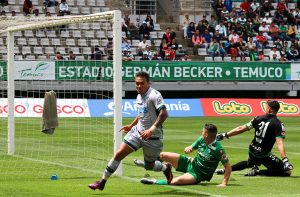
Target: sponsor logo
pixel 231 108
pixel 36 71
pixel 285 108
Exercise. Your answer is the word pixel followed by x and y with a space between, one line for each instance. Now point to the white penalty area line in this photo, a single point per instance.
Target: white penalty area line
pixel 180 188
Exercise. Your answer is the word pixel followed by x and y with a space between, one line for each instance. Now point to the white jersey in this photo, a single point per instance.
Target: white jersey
pixel 148 106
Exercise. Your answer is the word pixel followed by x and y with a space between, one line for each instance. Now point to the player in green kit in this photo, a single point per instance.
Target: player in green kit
pixel 200 168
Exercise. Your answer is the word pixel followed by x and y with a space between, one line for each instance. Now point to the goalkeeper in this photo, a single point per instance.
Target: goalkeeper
pixel 200 168
pixel 144 132
pixel 268 130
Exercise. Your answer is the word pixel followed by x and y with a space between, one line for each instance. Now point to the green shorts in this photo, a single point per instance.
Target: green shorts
pixel 185 165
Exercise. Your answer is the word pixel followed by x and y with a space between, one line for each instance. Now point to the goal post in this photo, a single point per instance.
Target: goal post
pixel 70 91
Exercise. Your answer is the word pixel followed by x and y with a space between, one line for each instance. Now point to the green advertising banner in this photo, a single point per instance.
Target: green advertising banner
pixel 176 71
pixel 3 71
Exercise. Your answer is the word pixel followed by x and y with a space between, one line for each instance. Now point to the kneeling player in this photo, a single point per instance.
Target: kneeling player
pixel 200 168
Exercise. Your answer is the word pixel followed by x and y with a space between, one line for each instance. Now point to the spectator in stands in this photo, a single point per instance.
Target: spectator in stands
pixel 233 36
pixel 96 53
pixel 71 56
pixel 36 12
pixel 142 46
pixel 261 40
pixel 214 49
pixel 283 29
pixel 218 36
pixel 278 44
pixel 261 55
pixel 274 31
pixel 204 21
pixel 3 14
pixel 207 38
pixel 170 54
pixel 294 42
pixel 144 31
pixel 250 44
pixel 291 31
pixel 281 7
pixel 201 27
pixel 283 52
pixel 254 6
pixel 162 47
pixel 293 54
pixel 267 19
pixel 168 35
pixel 47 14
pixel 224 15
pixel 3 3
pixel 50 3
pixel 124 45
pixel 27 7
pixel 219 7
pixel 266 7
pixel 58 56
pixel 253 54
pixel 174 44
pixel 180 52
pixel 296 14
pixel 222 30
pixel 278 17
pixel 265 30
pixel 228 5
pixel 64 7
pixel 245 6
pixel 150 22
pixel 274 54
pixel 132 32
pixel 298 34
pixel 138 23
pixel 125 21
pixel 185 23
pixel 145 56
pixel 242 20
pixel 185 58
pixel 13 13
pixel 198 41
pixel 109 49
pixel 251 14
pixel 212 24
pixel 191 30
pixel 127 56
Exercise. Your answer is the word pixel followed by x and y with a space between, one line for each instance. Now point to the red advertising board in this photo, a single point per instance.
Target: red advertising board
pixel 247 107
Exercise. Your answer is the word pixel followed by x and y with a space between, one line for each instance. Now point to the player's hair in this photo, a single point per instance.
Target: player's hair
pixel 143 74
pixel 274 105
pixel 211 129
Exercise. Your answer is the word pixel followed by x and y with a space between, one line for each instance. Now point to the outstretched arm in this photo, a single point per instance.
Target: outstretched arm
pixel 127 128
pixel 227 167
pixel 233 132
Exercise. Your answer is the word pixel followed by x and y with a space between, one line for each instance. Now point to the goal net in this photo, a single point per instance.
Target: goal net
pixel 79 58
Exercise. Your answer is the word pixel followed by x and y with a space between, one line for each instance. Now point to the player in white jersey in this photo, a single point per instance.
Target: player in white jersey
pixel 145 132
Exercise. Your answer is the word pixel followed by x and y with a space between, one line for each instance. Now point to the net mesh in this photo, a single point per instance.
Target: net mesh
pixel 82 144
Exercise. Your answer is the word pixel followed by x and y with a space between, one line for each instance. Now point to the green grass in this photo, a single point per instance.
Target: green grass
pixel 78 158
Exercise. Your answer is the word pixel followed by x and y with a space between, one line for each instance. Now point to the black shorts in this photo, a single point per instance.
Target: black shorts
pixel 271 162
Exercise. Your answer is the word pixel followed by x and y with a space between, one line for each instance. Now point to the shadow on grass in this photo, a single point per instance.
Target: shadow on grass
pixel 165 193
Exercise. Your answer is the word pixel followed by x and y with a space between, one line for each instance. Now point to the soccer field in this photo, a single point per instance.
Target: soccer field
pixel 28 173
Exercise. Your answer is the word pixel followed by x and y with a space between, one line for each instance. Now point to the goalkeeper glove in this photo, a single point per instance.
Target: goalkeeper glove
pixel 286 164
pixel 221 136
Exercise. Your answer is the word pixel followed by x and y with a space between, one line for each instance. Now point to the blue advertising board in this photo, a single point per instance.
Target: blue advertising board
pixel 176 107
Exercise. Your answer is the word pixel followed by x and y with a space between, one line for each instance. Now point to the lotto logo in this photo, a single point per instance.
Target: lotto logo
pixel 231 108
pixel 285 108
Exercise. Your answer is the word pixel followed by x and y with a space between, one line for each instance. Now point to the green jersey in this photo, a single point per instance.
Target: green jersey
pixel 208 157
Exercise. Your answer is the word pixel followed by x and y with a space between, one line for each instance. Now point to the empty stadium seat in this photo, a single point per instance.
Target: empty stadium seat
pixel 218 59
pixel 91 3
pixel 94 42
pixel 208 59
pixel 75 50
pixel 153 34
pixel 100 34
pixel 1 41
pixel 70 42
pixel 202 51
pixel 71 2
pixel 38 50
pixel 80 3
pixel 51 34
pixel 62 50
pixel 74 10
pixel 30 57
pixel 55 41
pixel 32 41
pixel 45 41
pixel 22 41
pixel 95 26
pixel 28 33
pixel 86 50
pixel 100 3
pixel 84 26
pixel 89 34
pixel 18 57
pixel 42 57
pixel 73 26
pixel 82 42
pixel 15 8
pixel 49 50
pixel 65 34
pixel 79 57
pixel 3 50
pixel 85 10
pixel 26 50
pixel 18 34
pixel 40 33
pixel 96 10
pixel 77 34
